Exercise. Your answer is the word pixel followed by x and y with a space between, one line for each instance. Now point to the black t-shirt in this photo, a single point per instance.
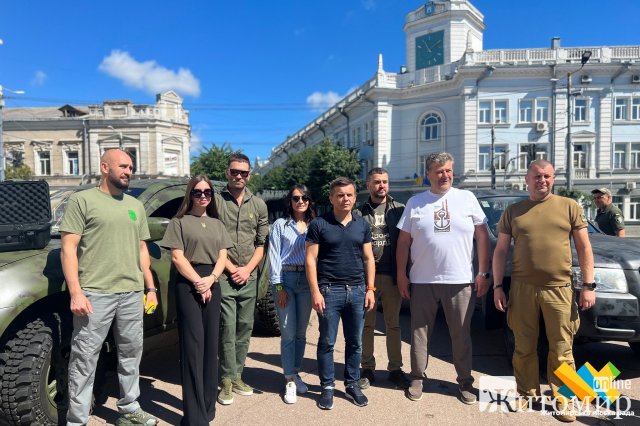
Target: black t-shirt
pixel 340 252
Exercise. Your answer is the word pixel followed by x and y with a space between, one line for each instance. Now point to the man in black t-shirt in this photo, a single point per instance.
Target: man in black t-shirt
pixel 339 261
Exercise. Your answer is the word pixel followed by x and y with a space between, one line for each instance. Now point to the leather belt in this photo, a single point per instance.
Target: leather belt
pixel 293 268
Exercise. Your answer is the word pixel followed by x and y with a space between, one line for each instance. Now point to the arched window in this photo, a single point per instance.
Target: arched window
pixel 430 127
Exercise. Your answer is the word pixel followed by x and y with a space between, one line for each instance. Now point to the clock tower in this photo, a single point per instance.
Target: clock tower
pixel 440 32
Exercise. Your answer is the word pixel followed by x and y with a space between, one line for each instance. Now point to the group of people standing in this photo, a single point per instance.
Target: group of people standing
pixel 337 264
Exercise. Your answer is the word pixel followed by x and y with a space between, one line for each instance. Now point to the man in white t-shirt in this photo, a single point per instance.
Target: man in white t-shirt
pixel 438 228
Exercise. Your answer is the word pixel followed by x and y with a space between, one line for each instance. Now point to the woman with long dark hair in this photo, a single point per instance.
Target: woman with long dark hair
pixel 290 287
pixel 198 243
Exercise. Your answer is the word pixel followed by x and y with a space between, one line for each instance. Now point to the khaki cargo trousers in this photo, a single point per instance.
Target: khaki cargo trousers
pixel 560 313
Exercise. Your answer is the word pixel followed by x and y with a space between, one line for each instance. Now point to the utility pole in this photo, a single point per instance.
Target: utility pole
pixel 492 155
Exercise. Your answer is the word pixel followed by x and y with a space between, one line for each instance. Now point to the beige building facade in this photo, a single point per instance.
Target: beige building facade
pixel 63 145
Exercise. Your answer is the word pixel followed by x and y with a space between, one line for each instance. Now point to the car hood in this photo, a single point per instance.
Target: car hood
pixel 7 258
pixel 609 251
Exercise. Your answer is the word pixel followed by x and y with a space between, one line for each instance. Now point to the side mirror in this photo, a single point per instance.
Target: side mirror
pixel 157 226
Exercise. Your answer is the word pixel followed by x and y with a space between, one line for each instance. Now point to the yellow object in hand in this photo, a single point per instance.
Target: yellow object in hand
pixel 148 309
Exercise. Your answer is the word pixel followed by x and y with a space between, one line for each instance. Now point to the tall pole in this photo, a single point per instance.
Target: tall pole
pixel 569 178
pixel 1 138
pixel 492 155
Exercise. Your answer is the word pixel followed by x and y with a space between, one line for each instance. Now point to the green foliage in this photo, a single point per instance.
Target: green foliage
pixel 314 167
pixel 574 193
pixel 212 162
pixel 22 172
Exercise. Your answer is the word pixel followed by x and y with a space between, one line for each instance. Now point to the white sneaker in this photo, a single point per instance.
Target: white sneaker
pixel 290 393
pixel 301 386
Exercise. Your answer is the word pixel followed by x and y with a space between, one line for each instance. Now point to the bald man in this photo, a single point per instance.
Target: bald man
pixel 106 266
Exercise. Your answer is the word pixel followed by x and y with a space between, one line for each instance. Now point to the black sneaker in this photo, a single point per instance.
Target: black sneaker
pixel 398 378
pixel 354 393
pixel 367 378
pixel 326 399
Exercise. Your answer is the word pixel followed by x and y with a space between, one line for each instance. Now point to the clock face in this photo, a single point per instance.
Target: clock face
pixel 430 50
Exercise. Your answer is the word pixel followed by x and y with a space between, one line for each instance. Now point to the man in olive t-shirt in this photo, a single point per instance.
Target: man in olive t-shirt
pixel 105 262
pixel 541 280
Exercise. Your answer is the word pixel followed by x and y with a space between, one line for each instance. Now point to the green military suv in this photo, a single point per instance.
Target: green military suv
pixel 36 323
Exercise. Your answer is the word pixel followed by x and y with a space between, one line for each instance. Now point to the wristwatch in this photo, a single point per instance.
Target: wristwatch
pixel 590 286
pixel 486 275
pixel 151 289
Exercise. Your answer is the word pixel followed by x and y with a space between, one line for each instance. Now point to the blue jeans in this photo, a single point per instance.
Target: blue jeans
pixel 347 303
pixel 294 319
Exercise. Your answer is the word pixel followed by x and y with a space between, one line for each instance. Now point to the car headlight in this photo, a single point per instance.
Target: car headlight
pixel 607 280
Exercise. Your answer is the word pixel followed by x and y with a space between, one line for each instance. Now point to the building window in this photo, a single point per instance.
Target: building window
pixel 634 156
pixel 73 163
pixel 44 163
pixel 580 155
pixel 430 127
pixel 526 111
pixel 580 110
pixel 529 153
pixel 484 157
pixel 619 158
pixel 542 110
pixel 634 208
pixel 133 153
pixel 494 111
pixel 622 107
pixel 171 163
pixel 635 109
pixel 359 136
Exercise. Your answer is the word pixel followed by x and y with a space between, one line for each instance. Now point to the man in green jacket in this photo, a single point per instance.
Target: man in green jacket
pixel 245 217
pixel 383 213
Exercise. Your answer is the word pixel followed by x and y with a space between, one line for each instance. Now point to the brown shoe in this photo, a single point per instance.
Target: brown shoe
pixel 414 392
pixel 564 413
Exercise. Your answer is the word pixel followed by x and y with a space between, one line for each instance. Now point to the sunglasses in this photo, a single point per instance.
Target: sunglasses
pixel 198 193
pixel 236 172
pixel 304 198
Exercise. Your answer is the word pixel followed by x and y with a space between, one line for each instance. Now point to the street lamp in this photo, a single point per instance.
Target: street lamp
pixel 585 58
pixel 17 92
pixel 120 143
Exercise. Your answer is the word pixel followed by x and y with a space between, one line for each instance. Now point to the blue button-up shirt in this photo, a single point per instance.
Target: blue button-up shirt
pixel 286 247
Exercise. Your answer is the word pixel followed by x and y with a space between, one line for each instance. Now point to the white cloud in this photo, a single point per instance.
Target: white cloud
pixel 196 143
pixel 39 78
pixel 369 5
pixel 322 101
pixel 149 75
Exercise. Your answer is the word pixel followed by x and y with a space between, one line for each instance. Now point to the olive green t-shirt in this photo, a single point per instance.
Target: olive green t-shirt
pixel 200 238
pixel 542 231
pixel 111 229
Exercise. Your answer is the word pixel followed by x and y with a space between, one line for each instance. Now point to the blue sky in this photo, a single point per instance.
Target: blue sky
pixel 252 72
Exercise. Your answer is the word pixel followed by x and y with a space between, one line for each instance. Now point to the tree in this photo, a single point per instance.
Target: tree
pixel 314 167
pixel 213 162
pixel 22 172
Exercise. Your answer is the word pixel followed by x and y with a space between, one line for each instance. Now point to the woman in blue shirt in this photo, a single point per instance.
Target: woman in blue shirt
pixel 289 281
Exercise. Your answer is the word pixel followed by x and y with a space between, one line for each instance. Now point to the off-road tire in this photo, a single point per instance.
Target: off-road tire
pixel 33 371
pixel 635 346
pixel 266 317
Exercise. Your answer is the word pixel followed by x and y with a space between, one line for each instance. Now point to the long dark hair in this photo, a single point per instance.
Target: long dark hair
pixel 187 201
pixel 309 214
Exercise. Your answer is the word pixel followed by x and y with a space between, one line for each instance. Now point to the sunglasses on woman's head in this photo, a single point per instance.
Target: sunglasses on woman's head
pixel 198 193
pixel 304 198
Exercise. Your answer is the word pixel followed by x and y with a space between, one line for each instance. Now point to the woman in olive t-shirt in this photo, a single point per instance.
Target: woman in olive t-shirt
pixel 198 243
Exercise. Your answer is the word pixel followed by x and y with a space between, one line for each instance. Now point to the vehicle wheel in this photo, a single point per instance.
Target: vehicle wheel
pixel 266 317
pixel 636 347
pixel 33 370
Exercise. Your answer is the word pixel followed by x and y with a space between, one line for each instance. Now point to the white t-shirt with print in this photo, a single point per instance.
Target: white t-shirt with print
pixel 442 228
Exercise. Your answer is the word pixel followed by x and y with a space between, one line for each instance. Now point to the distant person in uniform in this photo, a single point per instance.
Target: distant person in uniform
pixel 609 217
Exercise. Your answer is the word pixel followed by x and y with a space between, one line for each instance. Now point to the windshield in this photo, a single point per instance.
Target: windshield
pixel 493 208
pixel 60 198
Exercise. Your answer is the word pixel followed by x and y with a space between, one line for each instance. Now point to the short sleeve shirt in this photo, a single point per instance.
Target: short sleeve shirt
pixel 442 227
pixel 340 253
pixel 542 234
pixel 111 229
pixel 200 238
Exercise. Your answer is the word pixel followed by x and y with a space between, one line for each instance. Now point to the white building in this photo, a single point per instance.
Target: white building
pixel 453 95
pixel 63 144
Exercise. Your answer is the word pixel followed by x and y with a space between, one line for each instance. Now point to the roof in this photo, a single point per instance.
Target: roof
pixel 41 113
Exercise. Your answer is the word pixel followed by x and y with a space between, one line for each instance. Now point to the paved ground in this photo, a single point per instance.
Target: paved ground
pixel 161 393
